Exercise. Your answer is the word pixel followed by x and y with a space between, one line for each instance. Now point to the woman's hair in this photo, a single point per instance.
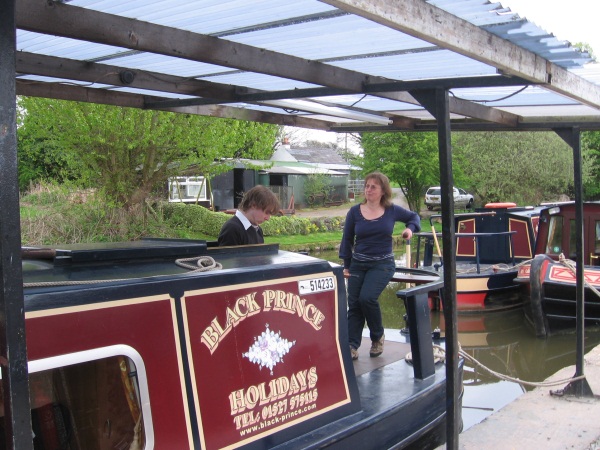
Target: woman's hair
pixel 384 182
pixel 260 197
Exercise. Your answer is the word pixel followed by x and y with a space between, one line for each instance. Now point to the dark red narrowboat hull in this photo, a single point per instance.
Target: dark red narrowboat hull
pixel 129 350
pixel 548 281
pixel 490 242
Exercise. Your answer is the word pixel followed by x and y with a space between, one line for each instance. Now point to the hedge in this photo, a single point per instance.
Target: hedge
pixel 202 220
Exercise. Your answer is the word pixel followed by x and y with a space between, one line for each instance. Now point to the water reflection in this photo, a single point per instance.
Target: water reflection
pixel 503 342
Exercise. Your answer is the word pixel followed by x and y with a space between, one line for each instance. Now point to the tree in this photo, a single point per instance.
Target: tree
pixel 127 152
pixel 408 159
pixel 525 167
pixel 590 144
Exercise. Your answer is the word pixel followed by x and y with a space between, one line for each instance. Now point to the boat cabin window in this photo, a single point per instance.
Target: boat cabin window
pixel 93 405
pixel 572 239
pixel 597 238
pixel 555 234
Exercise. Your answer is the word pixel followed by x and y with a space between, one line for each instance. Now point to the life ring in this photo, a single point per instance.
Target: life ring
pixel 500 205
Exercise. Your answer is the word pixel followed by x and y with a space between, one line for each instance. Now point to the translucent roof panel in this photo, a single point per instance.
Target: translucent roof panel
pixel 264 55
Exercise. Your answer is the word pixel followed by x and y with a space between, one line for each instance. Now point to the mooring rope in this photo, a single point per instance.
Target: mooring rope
pixel 495 267
pixel 203 264
pixel 572 266
pixel 439 355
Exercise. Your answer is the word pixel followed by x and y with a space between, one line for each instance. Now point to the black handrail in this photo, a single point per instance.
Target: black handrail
pixel 416 300
pixel 427 235
pixel 480 235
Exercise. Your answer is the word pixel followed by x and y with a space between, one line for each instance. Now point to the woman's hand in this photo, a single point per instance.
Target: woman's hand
pixel 346 273
pixel 407 233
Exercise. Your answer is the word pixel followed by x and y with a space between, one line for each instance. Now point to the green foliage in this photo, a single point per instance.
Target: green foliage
pixel 194 218
pixel 201 220
pixel 525 168
pixel 585 47
pixel 59 214
pixel 590 143
pixel 288 225
pixel 316 184
pixel 128 152
pixel 409 159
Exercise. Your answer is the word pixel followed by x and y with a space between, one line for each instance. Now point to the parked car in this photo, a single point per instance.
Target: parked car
pixel 433 198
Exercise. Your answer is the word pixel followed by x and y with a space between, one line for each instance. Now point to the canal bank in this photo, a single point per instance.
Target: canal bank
pixel 538 419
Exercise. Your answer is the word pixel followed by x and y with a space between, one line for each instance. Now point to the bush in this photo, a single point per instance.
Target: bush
pixel 61 217
pixel 57 214
pixel 202 220
pixel 194 218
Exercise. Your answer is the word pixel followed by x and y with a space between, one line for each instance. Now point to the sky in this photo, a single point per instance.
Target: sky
pixel 569 20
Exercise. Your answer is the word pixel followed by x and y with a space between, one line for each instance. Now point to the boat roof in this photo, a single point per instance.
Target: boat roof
pixel 334 65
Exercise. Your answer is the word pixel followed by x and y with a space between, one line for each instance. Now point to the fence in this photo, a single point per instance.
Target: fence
pixel 285 194
pixel 356 186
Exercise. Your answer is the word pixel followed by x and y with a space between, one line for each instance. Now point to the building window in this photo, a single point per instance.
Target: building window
pixel 187 189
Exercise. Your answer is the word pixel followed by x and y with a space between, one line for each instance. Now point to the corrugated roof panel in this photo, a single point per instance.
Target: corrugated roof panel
pixel 28 41
pixel 344 36
pixel 508 25
pixel 38 78
pixel 478 12
pixel 166 64
pixel 416 66
pixel 549 110
pixel 258 81
pixel 512 96
pixel 315 31
pixel 208 16
pixel 531 37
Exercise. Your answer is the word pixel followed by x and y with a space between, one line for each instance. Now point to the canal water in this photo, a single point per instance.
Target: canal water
pixel 501 341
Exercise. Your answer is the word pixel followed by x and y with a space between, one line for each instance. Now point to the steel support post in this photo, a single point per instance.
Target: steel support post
pixel 13 351
pixel 578 388
pixel 437 103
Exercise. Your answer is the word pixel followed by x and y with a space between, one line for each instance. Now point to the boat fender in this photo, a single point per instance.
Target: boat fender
pixel 500 205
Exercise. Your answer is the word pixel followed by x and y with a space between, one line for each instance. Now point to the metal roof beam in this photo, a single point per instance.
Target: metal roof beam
pixel 432 24
pixel 585 124
pixel 125 99
pixel 253 95
pixel 91 72
pixel 60 68
pixel 80 23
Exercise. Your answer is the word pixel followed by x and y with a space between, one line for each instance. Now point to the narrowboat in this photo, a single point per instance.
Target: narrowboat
pixel 490 243
pixel 179 344
pixel 549 283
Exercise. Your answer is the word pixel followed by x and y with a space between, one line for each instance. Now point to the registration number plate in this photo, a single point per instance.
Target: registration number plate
pixel 316 285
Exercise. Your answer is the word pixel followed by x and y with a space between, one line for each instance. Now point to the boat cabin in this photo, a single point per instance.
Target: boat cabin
pixel 489 243
pixel 490 235
pixel 177 344
pixel 557 232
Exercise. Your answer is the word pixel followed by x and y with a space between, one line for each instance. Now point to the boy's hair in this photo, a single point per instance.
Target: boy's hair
pixel 260 197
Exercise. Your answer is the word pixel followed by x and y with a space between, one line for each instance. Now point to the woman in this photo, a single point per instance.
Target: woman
pixel 368 256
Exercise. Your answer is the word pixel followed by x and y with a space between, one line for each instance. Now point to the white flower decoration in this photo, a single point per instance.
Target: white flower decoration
pixel 268 349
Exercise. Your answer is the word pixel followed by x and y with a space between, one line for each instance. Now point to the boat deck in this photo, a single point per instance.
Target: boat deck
pixel 405 406
pixel 394 352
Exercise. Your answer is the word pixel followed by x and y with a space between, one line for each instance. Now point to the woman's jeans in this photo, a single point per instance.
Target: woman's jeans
pixel 366 283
